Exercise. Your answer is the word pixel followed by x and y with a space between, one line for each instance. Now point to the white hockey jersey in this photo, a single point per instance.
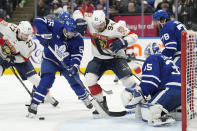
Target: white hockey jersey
pixel 101 40
pixel 20 49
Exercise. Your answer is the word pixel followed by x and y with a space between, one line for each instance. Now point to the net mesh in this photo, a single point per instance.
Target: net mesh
pixel 191 76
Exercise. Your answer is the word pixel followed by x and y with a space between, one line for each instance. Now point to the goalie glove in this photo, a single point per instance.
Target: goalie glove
pixel 118 45
pixel 131 97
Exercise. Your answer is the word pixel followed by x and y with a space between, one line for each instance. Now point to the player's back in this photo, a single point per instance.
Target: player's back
pixel 159 72
pixel 171 32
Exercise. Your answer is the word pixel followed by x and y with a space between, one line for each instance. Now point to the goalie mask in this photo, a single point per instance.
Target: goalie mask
pixel 151 49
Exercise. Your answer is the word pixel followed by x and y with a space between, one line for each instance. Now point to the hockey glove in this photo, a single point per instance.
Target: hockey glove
pixel 131 97
pixel 81 26
pixel 130 57
pixel 7 62
pixel 73 70
pixel 118 45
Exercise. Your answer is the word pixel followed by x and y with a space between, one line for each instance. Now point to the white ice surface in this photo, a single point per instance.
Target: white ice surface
pixel 70 115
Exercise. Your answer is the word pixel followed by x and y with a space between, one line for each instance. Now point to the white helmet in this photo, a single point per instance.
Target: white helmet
pixel 98 17
pixel 25 27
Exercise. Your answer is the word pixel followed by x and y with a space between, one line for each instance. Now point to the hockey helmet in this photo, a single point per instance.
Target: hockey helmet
pixel 160 14
pixel 64 16
pixel 151 49
pixel 98 17
pixel 69 25
pixel 25 27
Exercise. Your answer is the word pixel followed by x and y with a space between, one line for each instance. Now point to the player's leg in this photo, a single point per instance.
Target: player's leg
pixel 27 72
pixel 123 72
pixel 163 102
pixel 78 89
pixel 94 71
pixel 48 71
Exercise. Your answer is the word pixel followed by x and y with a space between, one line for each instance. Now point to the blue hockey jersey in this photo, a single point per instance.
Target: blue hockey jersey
pixel 158 72
pixel 170 35
pixel 50 33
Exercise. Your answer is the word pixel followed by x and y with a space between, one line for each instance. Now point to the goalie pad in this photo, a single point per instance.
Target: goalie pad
pixel 155 115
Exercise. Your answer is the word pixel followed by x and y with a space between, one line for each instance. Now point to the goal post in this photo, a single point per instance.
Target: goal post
pixel 188 79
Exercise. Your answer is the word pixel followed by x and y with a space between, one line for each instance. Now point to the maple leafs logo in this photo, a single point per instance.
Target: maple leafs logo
pixel 61 51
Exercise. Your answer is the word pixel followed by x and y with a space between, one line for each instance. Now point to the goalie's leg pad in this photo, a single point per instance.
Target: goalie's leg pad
pixel 154 114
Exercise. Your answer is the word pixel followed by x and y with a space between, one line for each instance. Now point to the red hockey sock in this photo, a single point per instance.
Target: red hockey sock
pixel 95 89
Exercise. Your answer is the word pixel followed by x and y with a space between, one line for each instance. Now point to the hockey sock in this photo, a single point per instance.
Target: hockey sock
pixel 41 91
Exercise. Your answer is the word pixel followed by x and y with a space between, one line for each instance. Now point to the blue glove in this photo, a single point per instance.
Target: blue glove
pixel 73 70
pixel 117 45
pixel 81 26
pixel 44 42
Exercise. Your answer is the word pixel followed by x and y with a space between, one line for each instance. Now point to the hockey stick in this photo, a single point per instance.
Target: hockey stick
pixel 109 92
pixel 103 112
pixel 122 56
pixel 12 69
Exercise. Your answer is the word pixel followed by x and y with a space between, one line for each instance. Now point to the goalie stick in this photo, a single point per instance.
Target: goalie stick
pixel 12 69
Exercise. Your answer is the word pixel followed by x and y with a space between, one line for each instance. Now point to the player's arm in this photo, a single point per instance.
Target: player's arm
pixel 76 50
pixel 150 75
pixel 170 44
pixel 43 26
pixel 124 35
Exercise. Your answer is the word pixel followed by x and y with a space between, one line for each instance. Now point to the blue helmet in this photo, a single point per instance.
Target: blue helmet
pixel 151 49
pixel 70 25
pixel 64 16
pixel 160 14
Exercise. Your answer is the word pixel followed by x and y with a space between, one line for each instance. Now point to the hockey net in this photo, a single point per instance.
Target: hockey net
pixel 189 80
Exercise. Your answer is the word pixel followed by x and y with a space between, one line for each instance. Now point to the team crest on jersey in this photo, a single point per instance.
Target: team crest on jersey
pixel 122 30
pixel 61 51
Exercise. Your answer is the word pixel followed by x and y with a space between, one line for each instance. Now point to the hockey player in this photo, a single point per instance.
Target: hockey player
pixel 16 46
pixel 170 35
pixel 161 80
pixel 59 41
pixel 108 41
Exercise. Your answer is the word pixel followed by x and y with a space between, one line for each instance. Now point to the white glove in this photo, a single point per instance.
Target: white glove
pixel 131 97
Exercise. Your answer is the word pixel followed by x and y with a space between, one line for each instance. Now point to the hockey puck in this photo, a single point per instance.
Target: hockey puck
pixel 41 118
